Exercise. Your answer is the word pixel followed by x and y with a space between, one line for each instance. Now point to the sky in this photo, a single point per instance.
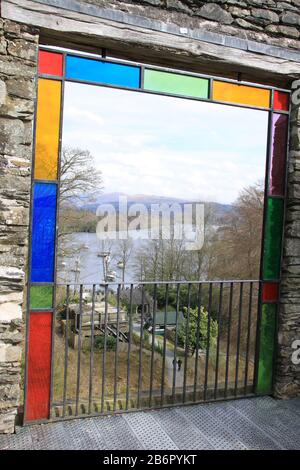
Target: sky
pixel 164 146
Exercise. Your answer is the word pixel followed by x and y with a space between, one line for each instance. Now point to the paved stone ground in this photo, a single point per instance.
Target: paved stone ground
pixel 255 423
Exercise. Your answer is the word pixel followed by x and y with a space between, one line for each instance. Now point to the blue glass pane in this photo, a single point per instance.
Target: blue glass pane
pixel 43 232
pixel 90 70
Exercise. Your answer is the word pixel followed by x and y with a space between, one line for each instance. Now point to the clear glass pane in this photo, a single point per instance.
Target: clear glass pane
pixel 123 153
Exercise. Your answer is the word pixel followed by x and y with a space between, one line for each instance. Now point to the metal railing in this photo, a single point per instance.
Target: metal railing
pixel 122 347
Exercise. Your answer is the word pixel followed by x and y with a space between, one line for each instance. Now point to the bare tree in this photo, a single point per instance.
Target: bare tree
pixel 237 250
pixel 79 178
pixel 231 247
pixel 123 253
pixel 80 181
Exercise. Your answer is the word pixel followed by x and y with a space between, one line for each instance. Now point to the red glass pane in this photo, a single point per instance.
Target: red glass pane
pixel 51 63
pixel 39 366
pixel 278 154
pixel 270 292
pixel 281 101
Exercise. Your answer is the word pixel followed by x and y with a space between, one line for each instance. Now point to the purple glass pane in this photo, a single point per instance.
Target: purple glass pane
pixel 278 154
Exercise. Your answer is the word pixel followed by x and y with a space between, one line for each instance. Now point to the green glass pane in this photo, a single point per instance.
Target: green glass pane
pixel 273 236
pixel 267 336
pixel 41 297
pixel 176 84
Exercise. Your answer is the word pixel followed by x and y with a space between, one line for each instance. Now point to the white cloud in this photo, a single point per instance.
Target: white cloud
pixel 151 144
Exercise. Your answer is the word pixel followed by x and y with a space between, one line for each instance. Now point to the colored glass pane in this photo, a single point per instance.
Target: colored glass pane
pixel 176 84
pixel 39 366
pixel 278 154
pixel 47 129
pixel 43 232
pixel 51 63
pixel 41 297
pixel 273 236
pixel 281 101
pixel 266 348
pixel 241 94
pixel 270 292
pixel 97 71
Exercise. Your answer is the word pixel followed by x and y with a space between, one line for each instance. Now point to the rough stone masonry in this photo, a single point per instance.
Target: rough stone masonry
pixel 266 21
pixel 18 55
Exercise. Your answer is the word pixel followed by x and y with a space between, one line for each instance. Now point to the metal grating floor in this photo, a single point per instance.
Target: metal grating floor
pixel 254 423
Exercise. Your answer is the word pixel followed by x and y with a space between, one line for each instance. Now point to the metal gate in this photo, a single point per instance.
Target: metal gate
pixel 119 347
pixel 95 349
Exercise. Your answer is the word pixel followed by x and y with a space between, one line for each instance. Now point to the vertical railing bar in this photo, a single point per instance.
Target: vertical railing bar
pixel 79 350
pixel 104 347
pixel 92 348
pixel 218 340
pixel 141 348
pixel 153 345
pixel 207 342
pixel 186 343
pixel 117 348
pixel 129 347
pixel 164 345
pixel 175 345
pixel 197 341
pixel 66 350
pixel 228 339
pixel 248 337
pixel 238 340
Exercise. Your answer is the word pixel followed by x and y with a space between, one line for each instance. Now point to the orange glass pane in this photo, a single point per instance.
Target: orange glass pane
pixel 241 94
pixel 47 129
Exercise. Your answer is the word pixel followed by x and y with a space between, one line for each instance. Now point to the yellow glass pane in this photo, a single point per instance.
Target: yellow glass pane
pixel 241 94
pixel 47 129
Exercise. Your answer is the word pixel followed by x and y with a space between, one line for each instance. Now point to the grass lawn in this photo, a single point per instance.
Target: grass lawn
pixel 59 367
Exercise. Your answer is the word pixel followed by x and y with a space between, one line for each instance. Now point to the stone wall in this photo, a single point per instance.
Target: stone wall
pixel 18 53
pixel 267 21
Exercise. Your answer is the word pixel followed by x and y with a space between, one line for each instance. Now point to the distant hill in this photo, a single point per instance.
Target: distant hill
pixel 219 209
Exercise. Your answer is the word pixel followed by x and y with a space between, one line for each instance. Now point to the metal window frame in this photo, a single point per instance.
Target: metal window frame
pixel 63 79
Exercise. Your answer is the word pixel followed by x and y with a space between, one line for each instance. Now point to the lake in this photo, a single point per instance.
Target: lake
pixel 87 262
